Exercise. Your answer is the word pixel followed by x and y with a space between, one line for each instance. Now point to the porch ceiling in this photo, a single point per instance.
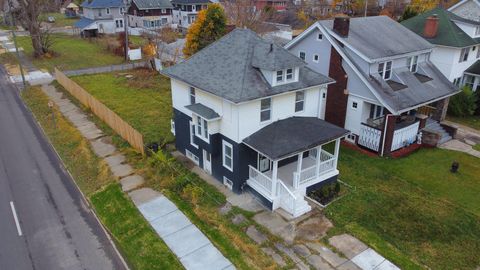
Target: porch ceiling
pixel 293 135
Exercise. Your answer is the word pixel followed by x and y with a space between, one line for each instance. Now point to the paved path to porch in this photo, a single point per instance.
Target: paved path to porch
pixel 464 141
pixel 186 241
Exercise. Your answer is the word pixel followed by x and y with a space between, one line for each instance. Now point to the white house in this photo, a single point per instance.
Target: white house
pixel 250 113
pixel 456 43
pixel 468 9
pixel 383 79
pixel 150 14
pixel 185 11
pixel 101 16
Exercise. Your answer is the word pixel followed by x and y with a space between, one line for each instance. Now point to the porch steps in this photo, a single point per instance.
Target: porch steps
pixel 435 126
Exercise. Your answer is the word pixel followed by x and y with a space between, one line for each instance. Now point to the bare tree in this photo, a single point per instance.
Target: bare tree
pixel 244 14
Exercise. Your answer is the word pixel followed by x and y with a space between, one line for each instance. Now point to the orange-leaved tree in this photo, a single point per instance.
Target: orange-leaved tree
pixel 209 26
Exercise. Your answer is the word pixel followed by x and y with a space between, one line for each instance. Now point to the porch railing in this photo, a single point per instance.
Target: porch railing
pixel 261 180
pixel 405 136
pixel 327 163
pixel 287 198
pixel 370 137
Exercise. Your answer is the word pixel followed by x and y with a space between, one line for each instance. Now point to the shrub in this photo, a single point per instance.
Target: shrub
pixel 464 103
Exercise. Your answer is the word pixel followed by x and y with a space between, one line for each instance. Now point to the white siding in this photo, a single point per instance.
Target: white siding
pixel 355 116
pixel 310 45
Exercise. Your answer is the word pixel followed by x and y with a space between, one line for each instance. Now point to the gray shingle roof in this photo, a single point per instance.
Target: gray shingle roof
pixel 293 135
pixel 474 68
pixel 225 69
pixel 102 3
pixel 203 111
pixel 270 57
pixel 191 2
pixel 379 36
pixel 152 4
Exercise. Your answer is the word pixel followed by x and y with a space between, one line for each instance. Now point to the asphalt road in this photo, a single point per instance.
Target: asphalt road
pixel 56 230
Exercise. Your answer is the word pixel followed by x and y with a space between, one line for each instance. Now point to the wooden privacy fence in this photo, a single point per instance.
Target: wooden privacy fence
pixel 120 126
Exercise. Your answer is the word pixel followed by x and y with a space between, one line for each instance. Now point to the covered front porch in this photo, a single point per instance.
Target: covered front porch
pixel 289 161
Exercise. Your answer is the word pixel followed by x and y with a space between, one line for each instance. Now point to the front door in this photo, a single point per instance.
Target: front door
pixel 207 162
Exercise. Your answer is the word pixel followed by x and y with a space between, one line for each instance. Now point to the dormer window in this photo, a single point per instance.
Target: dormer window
pixel 279 76
pixel 412 63
pixel 385 70
pixel 289 74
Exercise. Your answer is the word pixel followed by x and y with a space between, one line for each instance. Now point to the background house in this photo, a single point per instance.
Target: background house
pixel 150 14
pixel 185 11
pixel 250 113
pixel 386 86
pixel 456 43
pixel 468 9
pixel 101 16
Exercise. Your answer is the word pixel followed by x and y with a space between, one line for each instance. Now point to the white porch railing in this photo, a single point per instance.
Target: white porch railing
pixel 327 163
pixel 369 137
pixel 287 198
pixel 261 180
pixel 405 136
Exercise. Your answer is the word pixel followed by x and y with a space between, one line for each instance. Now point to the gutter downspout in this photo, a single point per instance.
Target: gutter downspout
pixel 385 133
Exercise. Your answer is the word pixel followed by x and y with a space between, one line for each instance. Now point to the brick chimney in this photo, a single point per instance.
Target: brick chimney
pixel 341 25
pixel 431 27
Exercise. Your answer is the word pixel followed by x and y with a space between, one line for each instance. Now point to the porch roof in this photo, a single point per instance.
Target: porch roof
pixel 203 111
pixel 474 69
pixel 293 135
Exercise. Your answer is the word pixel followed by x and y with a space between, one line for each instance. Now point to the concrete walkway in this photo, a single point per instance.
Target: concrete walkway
pixel 464 141
pixel 186 241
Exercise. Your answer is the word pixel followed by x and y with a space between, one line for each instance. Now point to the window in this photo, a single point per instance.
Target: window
pixel 302 55
pixel 354 105
pixel 299 101
pixel 279 76
pixel 315 58
pixel 107 11
pixel 320 37
pixel 412 63
pixel 265 109
pixel 228 183
pixel 468 81
pixel 193 157
pixel 192 95
pixel 192 135
pixel 385 70
pixel 202 128
pixel 464 54
pixel 289 74
pixel 164 11
pixel 172 127
pixel 376 111
pixel 99 13
pixel 456 81
pixel 122 10
pixel 477 31
pixel 227 155
pixel 119 23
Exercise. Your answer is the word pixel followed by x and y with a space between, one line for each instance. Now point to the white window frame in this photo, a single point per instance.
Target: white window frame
pixel 229 145
pixel 412 63
pixel 320 36
pixel 315 56
pixel 470 83
pixel 228 183
pixel 201 129
pixel 269 109
pixel 192 157
pixel 464 53
pixel 172 126
pixel 107 11
pixel 354 105
pixel 304 55
pixel 382 70
pixel 193 95
pixel 279 74
pixel 291 74
pixel 192 134
pixel 163 11
pixel 299 101
pixel 351 137
pixel 477 31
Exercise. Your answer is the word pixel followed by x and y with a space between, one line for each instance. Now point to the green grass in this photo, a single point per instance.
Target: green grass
pixel 139 242
pixel 470 121
pixel 71 53
pixel 476 147
pixel 413 210
pixel 60 19
pixel 143 101
pixel 8 59
pixel 136 240
pixel 138 41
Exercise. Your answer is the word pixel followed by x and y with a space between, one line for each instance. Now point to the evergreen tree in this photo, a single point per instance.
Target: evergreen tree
pixel 209 26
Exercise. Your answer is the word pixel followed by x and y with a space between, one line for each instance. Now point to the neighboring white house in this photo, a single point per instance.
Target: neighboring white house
pixel 468 9
pixel 150 14
pixel 250 113
pixel 456 41
pixel 185 11
pixel 101 16
pixel 383 79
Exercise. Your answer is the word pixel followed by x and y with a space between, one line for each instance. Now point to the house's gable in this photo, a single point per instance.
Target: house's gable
pixel 469 9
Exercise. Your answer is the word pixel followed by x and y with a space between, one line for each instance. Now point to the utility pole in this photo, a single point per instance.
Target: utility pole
pixel 366 7
pixel 10 9
pixel 125 25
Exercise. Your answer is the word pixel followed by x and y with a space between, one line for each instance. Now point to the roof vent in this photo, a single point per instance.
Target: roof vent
pixel 431 26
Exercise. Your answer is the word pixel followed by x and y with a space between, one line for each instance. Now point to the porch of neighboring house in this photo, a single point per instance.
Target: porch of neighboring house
pixel 300 160
pixel 388 133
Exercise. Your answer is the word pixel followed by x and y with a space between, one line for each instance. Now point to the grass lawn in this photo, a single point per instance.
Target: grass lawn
pixel 470 121
pixel 414 208
pixel 136 240
pixel 476 147
pixel 143 101
pixel 71 53
pixel 60 19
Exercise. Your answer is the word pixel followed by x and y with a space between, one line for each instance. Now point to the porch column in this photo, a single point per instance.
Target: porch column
pixel 299 170
pixel 274 178
pixel 319 160
pixel 337 150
